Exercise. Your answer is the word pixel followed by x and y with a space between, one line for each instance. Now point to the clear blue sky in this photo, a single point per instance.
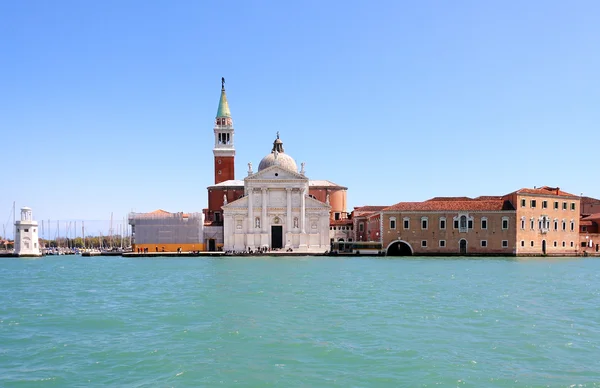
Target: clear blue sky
pixel 108 106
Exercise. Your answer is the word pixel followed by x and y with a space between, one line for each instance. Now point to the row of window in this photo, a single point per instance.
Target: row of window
pixel 340 227
pixel 544 224
pixel 462 223
pixel 532 243
pixel 482 243
pixel 26 230
pixel 533 204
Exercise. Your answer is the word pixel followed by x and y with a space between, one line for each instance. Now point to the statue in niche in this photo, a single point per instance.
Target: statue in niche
pixel 257 222
pixel 295 222
pixel 327 199
pixel 224 199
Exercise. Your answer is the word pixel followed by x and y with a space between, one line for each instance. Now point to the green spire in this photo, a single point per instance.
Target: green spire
pixel 223 110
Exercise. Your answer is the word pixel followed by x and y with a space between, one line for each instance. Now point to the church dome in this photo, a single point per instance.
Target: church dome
pixel 278 158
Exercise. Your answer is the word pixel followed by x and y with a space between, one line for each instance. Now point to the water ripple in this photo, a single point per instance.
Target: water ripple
pixel 70 321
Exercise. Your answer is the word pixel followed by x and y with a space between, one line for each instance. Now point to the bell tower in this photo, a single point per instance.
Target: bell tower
pixel 224 150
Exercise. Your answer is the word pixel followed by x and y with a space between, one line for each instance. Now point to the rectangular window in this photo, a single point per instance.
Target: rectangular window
pixel 337 216
pixel 505 223
pixel 556 205
pixel 522 223
pixel 504 243
pixel 424 243
pixel 442 223
pixel 571 244
pixel 572 226
pixel 564 226
pixel 522 243
pixel 555 244
pixel 423 223
pixel 533 203
pixel 564 206
pixel 406 223
pixel 572 205
pixel 584 244
pixel 442 243
pixel 483 243
pixel 564 244
pixel 455 224
pixel 532 224
pixel 470 224
pixel 584 228
pixel 544 204
pixel 555 225
pixel 25 230
pixel 217 217
pixel 484 223
pixel 531 242
pixel 523 203
pixel 392 223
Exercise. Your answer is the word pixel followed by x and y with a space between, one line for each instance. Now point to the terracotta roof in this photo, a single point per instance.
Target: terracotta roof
pixel 452 205
pixel 346 221
pixel 544 190
pixel 488 198
pixel 369 208
pixel 450 199
pixel 592 217
pixel 589 200
pixel 159 211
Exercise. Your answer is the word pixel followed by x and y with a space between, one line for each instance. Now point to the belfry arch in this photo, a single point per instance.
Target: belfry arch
pixel 399 248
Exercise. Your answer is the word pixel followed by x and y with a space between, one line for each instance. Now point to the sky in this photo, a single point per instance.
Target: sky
pixel 108 107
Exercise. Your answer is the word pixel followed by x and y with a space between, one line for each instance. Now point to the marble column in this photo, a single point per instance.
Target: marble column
pixel 264 210
pixel 251 210
pixel 303 210
pixel 289 209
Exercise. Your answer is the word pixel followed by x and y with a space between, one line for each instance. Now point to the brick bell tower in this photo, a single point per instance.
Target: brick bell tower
pixel 224 149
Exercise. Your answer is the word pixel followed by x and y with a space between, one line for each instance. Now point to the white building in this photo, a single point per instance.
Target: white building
pixel 26 235
pixel 276 210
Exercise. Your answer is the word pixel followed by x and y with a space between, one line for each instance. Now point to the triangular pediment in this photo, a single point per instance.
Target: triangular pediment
pixel 315 203
pixel 276 173
pixel 238 203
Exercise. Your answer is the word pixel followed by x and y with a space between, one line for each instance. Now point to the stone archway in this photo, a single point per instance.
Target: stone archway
pixel 462 246
pixel 399 248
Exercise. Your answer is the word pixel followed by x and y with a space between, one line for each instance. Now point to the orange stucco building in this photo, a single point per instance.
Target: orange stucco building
pixel 526 222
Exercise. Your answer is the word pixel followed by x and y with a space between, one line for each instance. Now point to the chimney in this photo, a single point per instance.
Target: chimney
pixel 557 190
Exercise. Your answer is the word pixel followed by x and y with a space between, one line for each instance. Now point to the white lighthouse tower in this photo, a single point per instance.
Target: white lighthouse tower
pixel 26 235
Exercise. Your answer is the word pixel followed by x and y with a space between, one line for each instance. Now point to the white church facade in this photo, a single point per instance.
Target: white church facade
pixel 276 211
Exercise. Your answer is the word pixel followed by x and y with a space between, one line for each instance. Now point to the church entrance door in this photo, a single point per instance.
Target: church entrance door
pixel 276 236
pixel 211 245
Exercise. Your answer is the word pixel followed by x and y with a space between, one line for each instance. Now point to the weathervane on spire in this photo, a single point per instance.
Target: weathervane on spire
pixel 222 82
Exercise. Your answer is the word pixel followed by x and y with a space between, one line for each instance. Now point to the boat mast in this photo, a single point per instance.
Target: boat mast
pixel 111 230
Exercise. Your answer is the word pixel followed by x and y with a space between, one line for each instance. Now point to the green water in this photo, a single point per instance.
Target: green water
pixel 299 322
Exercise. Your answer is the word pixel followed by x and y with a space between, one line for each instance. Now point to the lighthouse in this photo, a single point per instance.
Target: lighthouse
pixel 26 235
